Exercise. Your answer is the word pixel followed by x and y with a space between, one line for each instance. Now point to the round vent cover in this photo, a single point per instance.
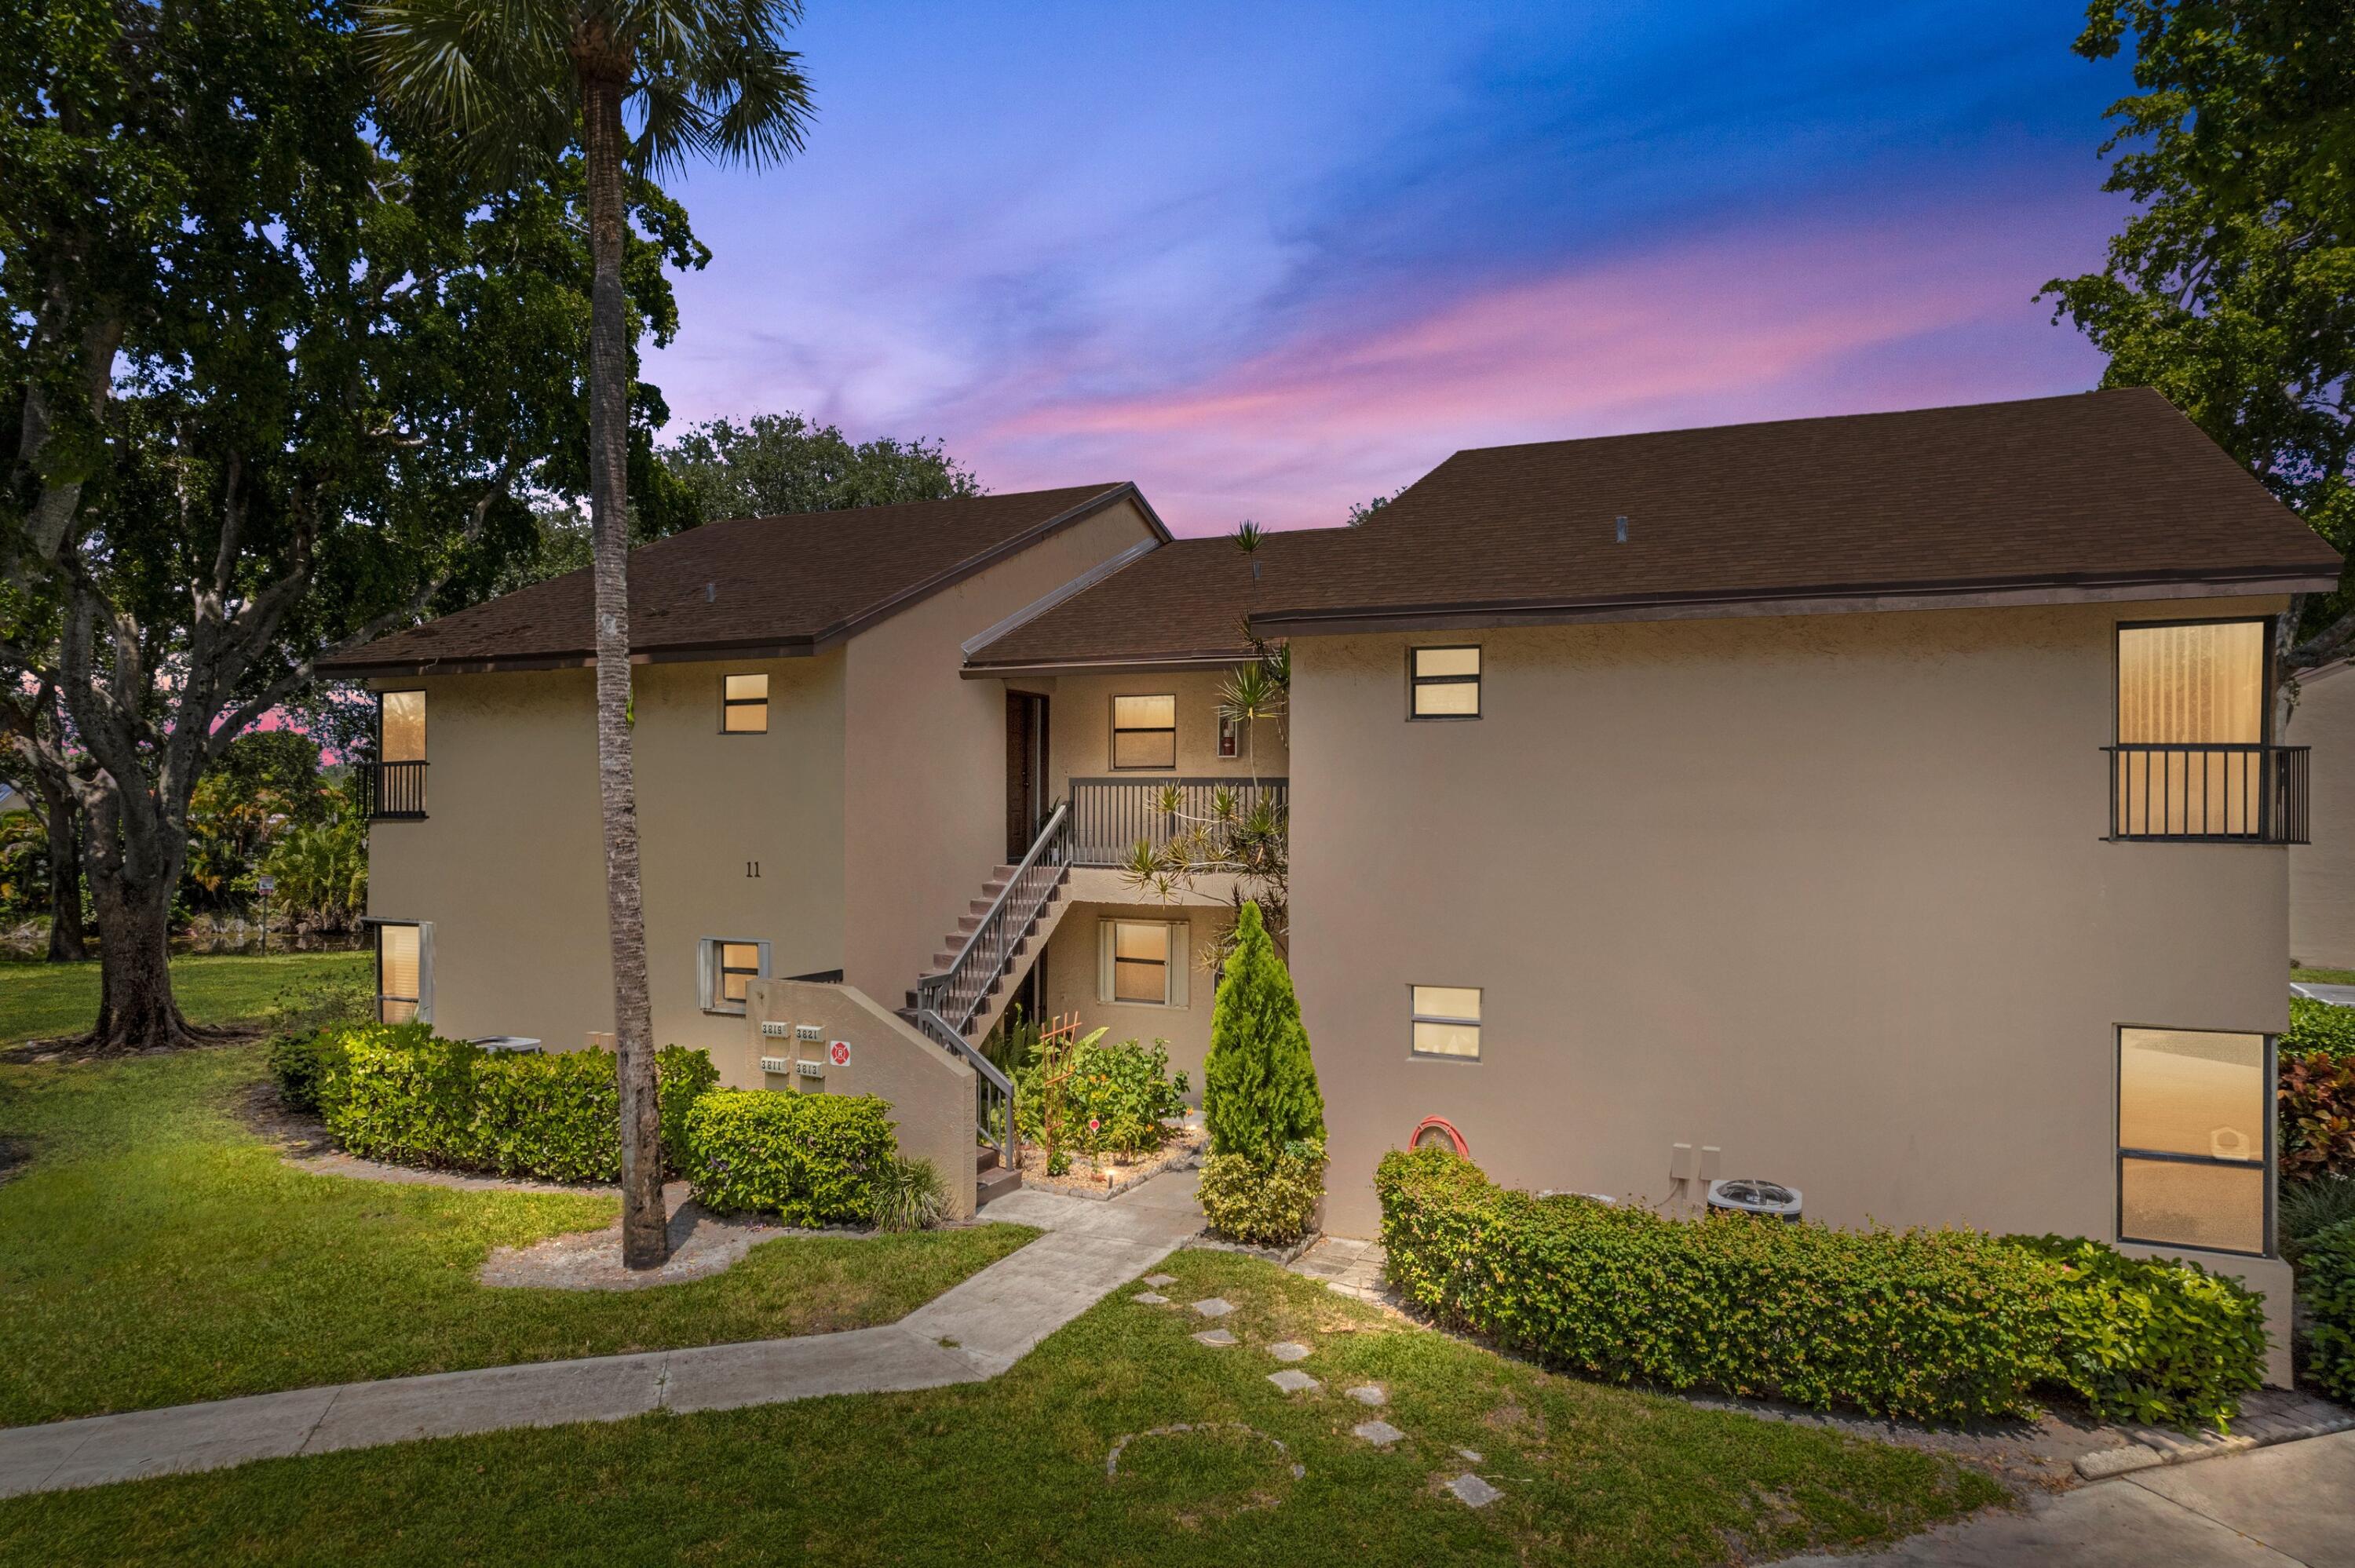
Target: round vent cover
pixel 1750 1195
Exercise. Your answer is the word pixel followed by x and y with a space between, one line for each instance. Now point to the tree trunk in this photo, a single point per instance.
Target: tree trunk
pixel 68 943
pixel 136 1009
pixel 646 1242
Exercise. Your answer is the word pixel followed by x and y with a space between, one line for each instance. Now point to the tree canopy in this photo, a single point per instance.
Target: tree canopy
pixel 2232 287
pixel 775 464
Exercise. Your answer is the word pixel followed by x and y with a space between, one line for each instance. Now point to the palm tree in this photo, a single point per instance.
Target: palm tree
pixel 521 82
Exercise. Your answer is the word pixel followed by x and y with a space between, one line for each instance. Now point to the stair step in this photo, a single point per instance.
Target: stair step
pixel 995 1184
pixel 984 1159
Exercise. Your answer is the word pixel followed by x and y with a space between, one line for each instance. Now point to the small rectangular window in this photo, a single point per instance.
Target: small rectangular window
pixel 1445 1021
pixel 745 704
pixel 2193 1139
pixel 1142 963
pixel 1230 737
pixel 401 727
pixel 1144 732
pixel 727 967
pixel 1443 682
pixel 403 972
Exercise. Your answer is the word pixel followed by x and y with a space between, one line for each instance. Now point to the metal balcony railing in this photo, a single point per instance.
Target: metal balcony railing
pixel 2199 793
pixel 1110 816
pixel 394 789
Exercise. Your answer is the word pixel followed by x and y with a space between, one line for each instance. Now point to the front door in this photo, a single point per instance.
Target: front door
pixel 1025 771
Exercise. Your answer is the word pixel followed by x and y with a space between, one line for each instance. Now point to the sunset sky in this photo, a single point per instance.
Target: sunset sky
pixel 1272 258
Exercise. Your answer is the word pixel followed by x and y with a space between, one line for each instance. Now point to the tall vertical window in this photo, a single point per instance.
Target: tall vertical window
pixel 1144 732
pixel 1445 1021
pixel 403 972
pixel 1142 963
pixel 725 968
pixel 2191 727
pixel 401 727
pixel 1443 682
pixel 745 704
pixel 2194 1139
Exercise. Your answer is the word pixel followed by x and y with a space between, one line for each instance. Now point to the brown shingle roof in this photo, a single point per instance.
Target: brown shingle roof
pixel 2108 492
pixel 786 585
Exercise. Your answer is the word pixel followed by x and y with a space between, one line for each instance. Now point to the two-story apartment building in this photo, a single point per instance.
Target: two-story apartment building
pixel 1884 806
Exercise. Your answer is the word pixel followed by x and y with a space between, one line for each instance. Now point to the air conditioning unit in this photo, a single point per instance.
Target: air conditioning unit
pixel 1749 1195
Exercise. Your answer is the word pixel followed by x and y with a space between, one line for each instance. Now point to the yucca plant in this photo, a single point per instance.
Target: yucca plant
pixel 908 1195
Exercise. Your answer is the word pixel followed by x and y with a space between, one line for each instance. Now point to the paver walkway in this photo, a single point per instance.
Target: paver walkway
pixel 2292 1506
pixel 972 1332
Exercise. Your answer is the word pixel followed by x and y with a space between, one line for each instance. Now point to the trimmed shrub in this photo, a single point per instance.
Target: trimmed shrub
pixel 1112 1098
pixel 2326 1279
pixel 301 1062
pixel 1936 1325
pixel 397 1092
pixel 2159 1341
pixel 1272 1205
pixel 2319 1026
pixel 1259 1086
pixel 811 1159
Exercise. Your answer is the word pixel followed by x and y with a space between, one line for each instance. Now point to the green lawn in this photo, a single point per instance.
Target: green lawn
pixel 2323 977
pixel 155 1251
pixel 40 1002
pixel 1013 1471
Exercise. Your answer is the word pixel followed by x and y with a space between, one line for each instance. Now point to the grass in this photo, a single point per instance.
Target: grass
pixel 1014 1470
pixel 155 1252
pixel 40 1002
pixel 2322 977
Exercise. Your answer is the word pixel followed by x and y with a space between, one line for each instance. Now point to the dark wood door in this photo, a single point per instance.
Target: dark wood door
pixel 1026 771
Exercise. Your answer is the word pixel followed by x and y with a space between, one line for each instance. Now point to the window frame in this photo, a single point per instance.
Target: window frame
pixel 2267 1167
pixel 728 705
pixel 1177 953
pixel 2265 675
pixel 1414 1016
pixel 421 1005
pixel 1416 681
pixel 711 971
pixel 1119 729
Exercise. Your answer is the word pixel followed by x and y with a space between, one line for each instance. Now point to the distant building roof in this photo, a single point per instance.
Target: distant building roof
pixel 2110 494
pixel 748 586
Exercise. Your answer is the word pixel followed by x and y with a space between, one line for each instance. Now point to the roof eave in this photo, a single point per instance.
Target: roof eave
pixel 1113 665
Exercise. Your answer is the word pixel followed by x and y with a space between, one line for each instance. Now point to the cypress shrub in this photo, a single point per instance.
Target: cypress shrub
pixel 1259 1087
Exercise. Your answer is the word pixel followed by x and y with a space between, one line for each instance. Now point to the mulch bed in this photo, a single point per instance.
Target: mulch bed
pixel 1086 1179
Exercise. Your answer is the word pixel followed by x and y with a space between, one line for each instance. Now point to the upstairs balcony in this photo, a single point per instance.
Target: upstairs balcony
pixel 2190 792
pixel 1111 816
pixel 393 791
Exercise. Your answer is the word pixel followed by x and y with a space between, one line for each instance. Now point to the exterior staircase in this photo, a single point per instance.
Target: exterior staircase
pixel 972 977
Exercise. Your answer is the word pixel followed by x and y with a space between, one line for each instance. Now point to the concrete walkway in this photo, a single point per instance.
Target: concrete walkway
pixel 2292 1506
pixel 972 1332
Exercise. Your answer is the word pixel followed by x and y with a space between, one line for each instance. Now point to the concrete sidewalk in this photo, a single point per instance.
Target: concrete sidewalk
pixel 972 1332
pixel 2291 1506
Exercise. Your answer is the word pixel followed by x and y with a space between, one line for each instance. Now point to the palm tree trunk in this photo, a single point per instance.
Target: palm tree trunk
pixel 645 1232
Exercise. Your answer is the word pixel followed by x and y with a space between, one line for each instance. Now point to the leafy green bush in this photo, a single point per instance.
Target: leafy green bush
pixel 2317 1093
pixel 2325 1278
pixel 812 1160
pixel 397 1092
pixel 1259 1086
pixel 301 1063
pixel 1270 1205
pixel 1114 1098
pixel 2306 1209
pixel 1929 1324
pixel 2158 1341
pixel 908 1195
pixel 2319 1026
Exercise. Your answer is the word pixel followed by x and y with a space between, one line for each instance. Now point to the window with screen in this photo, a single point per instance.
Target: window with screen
pixel 1144 732
pixel 1445 1021
pixel 745 704
pixel 1443 682
pixel 1142 963
pixel 2194 1139
pixel 401 995
pixel 728 967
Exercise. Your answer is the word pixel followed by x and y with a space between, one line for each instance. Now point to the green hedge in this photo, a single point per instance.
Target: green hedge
pixel 2319 1026
pixel 1929 1324
pixel 810 1158
pixel 398 1092
pixel 2326 1279
pixel 1265 1205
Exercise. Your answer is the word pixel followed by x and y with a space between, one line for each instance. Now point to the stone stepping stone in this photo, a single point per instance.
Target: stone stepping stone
pixel 1472 1455
pixel 1150 1299
pixel 1380 1433
pixel 1215 1306
pixel 1158 1280
pixel 1289 1351
pixel 1473 1492
pixel 1367 1394
pixel 1214 1338
pixel 1294 1382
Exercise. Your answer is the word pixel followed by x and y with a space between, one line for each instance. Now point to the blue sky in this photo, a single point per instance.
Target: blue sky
pixel 1267 260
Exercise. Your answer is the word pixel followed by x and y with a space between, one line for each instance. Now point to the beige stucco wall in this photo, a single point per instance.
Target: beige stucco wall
pixel 1831 894
pixel 510 865
pixel 2322 874
pixel 1072 983
pixel 925 760
pixel 1080 727
pixel 930 1094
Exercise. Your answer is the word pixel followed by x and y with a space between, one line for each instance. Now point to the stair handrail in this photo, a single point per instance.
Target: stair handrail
pixel 933 1024
pixel 1054 839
